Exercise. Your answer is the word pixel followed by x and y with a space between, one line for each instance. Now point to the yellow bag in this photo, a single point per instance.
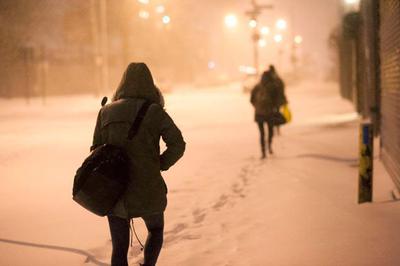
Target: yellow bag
pixel 285 111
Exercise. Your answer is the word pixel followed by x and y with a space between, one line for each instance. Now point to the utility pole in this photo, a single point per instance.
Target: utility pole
pixel 94 21
pixel 27 55
pixel 295 42
pixel 98 21
pixel 253 14
pixel 43 72
pixel 104 44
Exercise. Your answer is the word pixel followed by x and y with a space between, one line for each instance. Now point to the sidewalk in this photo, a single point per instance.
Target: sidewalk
pixel 299 207
pixel 226 207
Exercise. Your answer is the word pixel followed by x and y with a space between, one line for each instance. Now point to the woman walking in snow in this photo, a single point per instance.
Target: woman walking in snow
pixel 145 195
pixel 264 98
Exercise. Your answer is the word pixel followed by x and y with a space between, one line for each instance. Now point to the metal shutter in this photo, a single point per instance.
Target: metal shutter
pixel 390 86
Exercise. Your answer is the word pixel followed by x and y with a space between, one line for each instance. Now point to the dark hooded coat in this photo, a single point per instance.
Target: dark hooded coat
pixel 146 192
pixel 265 98
pixel 280 85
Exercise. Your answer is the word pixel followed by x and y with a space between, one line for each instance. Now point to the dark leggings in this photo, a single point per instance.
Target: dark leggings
pixel 262 134
pixel 119 229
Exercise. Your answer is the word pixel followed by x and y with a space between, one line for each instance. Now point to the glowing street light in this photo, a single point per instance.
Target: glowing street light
pixel 352 2
pixel 281 24
pixel 264 30
pixel 160 9
pixel 253 23
pixel 211 65
pixel 298 39
pixel 144 2
pixel 255 11
pixel 144 14
pixel 278 38
pixel 352 5
pixel 166 20
pixel 231 21
pixel 262 43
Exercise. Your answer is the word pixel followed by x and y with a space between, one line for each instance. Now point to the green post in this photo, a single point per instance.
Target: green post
pixel 366 163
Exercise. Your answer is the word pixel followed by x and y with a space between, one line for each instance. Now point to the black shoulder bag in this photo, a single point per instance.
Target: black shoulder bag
pixel 104 175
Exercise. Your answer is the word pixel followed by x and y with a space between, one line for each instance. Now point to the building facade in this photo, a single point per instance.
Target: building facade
pixel 369 52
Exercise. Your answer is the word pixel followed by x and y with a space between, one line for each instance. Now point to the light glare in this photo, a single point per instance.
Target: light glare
pixel 298 39
pixel 264 30
pixel 144 14
pixel 211 65
pixel 352 2
pixel 166 19
pixel 252 23
pixel 160 9
pixel 281 24
pixel 262 43
pixel 231 21
pixel 278 38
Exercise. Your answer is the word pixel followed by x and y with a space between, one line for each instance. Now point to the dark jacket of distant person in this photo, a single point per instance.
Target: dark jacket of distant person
pixel 146 192
pixel 264 97
pixel 280 85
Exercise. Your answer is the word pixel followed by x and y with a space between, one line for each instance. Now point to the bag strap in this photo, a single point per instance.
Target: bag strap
pixel 138 120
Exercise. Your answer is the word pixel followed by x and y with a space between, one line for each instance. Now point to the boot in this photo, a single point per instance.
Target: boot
pixel 263 154
pixel 270 151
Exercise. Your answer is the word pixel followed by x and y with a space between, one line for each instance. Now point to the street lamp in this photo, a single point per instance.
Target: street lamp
pixel 298 39
pixel 253 23
pixel 144 2
pixel 262 43
pixel 352 5
pixel 281 24
pixel 144 14
pixel 352 2
pixel 278 38
pixel 211 65
pixel 160 9
pixel 253 14
pixel 264 30
pixel 166 20
pixel 231 20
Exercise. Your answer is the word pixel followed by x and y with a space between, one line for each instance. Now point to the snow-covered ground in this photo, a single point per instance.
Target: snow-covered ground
pixel 226 206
